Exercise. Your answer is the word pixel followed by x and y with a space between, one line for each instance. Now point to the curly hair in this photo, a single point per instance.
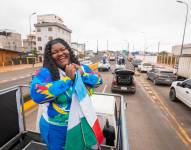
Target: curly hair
pixel 50 63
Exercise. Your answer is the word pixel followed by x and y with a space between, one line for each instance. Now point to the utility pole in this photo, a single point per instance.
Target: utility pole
pixel 158 47
pixel 30 37
pixel 97 47
pixel 107 45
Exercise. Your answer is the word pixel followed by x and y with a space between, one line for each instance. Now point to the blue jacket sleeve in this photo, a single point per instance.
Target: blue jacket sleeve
pixel 42 89
pixel 90 78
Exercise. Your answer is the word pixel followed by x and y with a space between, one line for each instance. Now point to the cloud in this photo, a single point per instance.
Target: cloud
pixel 116 21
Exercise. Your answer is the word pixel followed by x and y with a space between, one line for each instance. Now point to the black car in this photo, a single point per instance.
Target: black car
pixel 123 81
pixel 136 62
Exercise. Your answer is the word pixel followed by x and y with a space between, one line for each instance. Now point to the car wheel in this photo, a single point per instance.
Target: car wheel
pixel 172 94
pixel 133 92
pixel 112 90
pixel 155 82
pixel 148 77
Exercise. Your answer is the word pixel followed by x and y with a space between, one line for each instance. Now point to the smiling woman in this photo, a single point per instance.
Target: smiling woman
pixel 52 87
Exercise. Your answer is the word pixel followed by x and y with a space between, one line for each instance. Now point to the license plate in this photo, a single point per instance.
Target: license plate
pixel 123 88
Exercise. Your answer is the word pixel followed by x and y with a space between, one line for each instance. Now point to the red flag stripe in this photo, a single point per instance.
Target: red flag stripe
pixel 98 132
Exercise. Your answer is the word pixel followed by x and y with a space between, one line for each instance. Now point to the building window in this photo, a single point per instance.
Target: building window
pixel 40 48
pixel 49 28
pixel 50 38
pixel 38 30
pixel 39 38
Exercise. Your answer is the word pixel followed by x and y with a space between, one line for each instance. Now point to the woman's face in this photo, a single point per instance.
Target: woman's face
pixel 60 54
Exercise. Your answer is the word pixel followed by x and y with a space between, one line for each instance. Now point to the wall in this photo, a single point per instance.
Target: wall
pixel 6 57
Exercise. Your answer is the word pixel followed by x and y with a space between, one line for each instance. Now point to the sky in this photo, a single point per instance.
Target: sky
pixel 141 24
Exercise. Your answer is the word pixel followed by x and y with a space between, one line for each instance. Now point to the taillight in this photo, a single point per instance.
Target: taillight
pixel 114 82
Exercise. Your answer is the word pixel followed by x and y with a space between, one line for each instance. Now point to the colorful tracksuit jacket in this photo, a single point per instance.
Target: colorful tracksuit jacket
pixel 59 93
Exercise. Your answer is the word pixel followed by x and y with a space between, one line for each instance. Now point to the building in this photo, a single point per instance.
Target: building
pixel 29 43
pixel 10 40
pixel 78 47
pixel 177 49
pixel 49 27
pixel 7 56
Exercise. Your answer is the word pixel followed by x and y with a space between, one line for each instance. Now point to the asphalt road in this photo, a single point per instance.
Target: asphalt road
pixel 17 77
pixel 153 122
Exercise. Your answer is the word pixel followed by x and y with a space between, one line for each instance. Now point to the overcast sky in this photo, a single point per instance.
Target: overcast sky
pixel 142 23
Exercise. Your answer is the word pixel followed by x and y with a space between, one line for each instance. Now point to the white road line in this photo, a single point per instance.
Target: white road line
pixel 104 88
pixel 12 79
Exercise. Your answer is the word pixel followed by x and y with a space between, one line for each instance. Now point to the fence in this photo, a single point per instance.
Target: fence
pixel 168 60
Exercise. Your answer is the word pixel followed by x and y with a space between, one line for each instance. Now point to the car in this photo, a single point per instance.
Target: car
pixel 161 76
pixel 104 65
pixel 86 62
pixel 181 90
pixel 136 62
pixel 123 81
pixel 112 58
pixel 144 67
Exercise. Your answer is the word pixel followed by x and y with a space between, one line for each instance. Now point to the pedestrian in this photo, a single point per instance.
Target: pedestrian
pixel 53 85
pixel 109 134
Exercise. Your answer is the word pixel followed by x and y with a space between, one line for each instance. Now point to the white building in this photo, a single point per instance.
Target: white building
pixel 49 27
pixel 10 40
pixel 177 49
pixel 29 43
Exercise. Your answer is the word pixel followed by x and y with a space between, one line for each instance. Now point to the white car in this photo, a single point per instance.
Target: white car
pixel 112 58
pixel 104 65
pixel 144 67
pixel 182 91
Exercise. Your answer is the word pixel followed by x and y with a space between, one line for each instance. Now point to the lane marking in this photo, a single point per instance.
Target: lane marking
pixel 103 91
pixel 177 126
pixel 12 79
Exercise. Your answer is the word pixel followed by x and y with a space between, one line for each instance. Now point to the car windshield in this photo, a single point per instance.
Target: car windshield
pixel 147 64
pixel 104 61
pixel 137 61
pixel 166 72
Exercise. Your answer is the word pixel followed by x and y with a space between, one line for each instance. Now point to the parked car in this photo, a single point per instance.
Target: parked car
pixel 161 76
pixel 112 58
pixel 104 65
pixel 144 67
pixel 123 81
pixel 181 90
pixel 136 62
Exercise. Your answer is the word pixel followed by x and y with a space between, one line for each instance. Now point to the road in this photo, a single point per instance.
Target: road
pixel 17 77
pixel 153 122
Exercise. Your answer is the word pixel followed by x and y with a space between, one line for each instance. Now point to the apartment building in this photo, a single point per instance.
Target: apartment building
pixel 49 27
pixel 10 40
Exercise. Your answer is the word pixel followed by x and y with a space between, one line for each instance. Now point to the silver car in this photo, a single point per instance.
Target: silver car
pixel 161 76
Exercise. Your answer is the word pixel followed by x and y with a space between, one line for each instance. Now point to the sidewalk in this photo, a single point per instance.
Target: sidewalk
pixel 18 67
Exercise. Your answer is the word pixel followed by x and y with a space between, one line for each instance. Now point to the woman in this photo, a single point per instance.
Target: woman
pixel 52 85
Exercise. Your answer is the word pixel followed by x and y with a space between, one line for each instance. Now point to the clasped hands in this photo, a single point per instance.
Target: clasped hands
pixel 71 69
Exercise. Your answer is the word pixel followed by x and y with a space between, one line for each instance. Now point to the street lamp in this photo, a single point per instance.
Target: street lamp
pixel 184 24
pixel 30 39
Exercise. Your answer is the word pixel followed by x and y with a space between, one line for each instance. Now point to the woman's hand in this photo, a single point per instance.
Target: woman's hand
pixel 70 71
pixel 78 67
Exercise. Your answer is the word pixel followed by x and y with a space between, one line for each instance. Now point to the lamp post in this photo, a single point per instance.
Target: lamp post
pixel 183 31
pixel 30 38
pixel 184 24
